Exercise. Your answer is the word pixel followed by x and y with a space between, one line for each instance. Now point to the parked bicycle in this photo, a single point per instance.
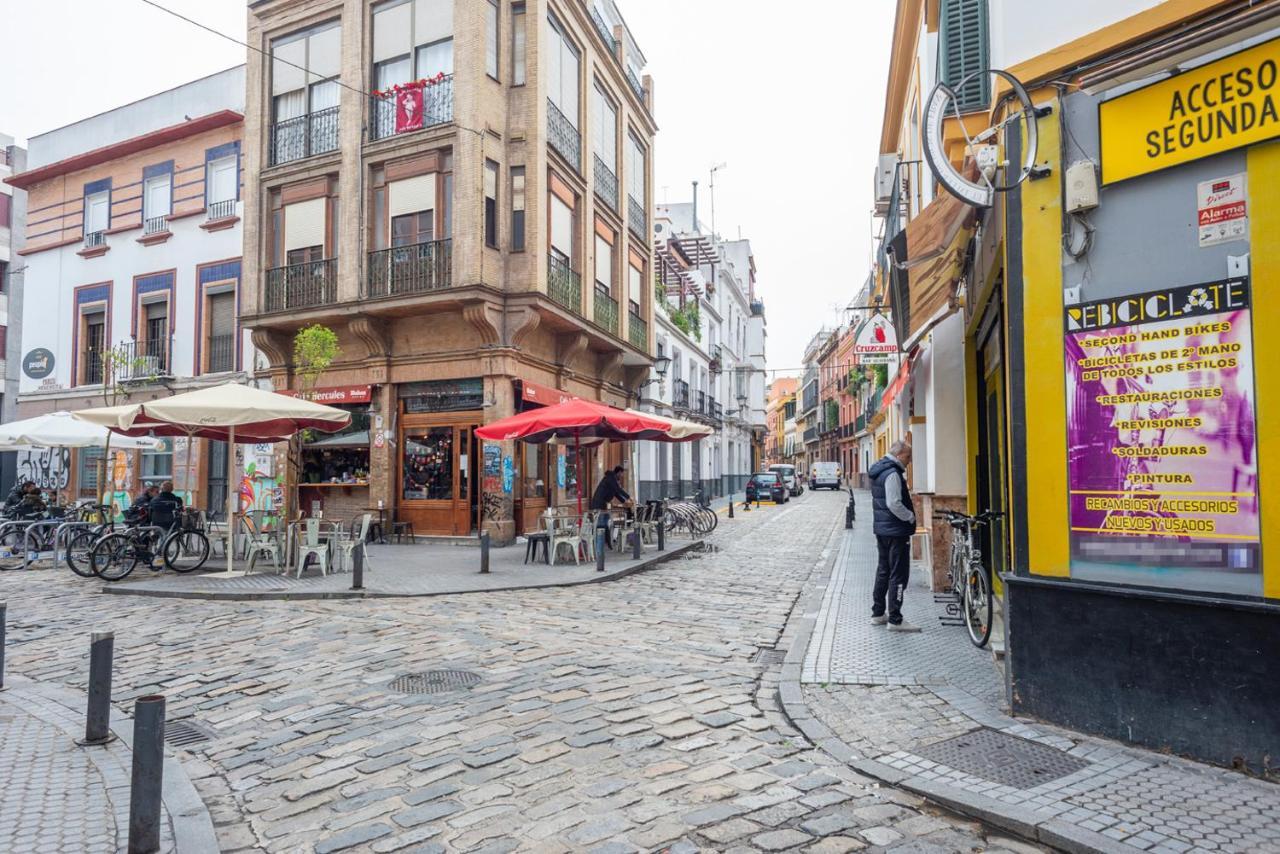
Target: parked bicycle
pixel 967 575
pixel 180 546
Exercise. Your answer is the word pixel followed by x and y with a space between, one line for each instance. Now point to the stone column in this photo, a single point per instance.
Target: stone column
pixel 383 427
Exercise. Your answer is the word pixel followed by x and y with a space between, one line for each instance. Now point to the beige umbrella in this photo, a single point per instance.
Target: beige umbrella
pixel 230 413
pixel 681 430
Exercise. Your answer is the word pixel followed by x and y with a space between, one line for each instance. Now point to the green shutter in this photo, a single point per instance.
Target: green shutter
pixel 963 42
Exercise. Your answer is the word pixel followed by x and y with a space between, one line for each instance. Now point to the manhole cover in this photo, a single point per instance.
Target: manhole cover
pixel 434 682
pixel 1002 758
pixel 185 733
pixel 767 656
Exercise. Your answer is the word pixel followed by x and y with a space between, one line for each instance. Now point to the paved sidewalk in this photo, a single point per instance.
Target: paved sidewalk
pixel 927 712
pixel 59 796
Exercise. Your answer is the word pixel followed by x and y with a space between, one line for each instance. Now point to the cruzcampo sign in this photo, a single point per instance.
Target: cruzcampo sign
pixel 1228 103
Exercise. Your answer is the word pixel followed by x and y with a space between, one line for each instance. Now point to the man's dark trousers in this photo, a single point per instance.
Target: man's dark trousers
pixel 892 574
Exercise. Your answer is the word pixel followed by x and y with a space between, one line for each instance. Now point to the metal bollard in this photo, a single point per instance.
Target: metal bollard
pixel 730 505
pixel 357 567
pixel 484 553
pixel 148 775
pixel 601 544
pixel 4 606
pixel 97 724
pixel 662 534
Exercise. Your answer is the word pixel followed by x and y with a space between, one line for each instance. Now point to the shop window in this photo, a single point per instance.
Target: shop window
pixel 534 484
pixel 87 472
pixel 428 464
pixel 157 465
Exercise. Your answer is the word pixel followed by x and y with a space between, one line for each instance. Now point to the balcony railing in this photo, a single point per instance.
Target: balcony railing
pixel 221 210
pixel 606 184
pixel 410 269
pixel 637 221
pixel 564 136
pixel 610 43
pixel 306 285
pixel 700 402
pixel 680 395
pixel 94 239
pixel 140 361
pixel 859 423
pixel 637 331
pixel 636 85
pixel 304 136
pixel 757 308
pixel 437 109
pixel 222 353
pixel 92 361
pixel 717 411
pixel 564 285
pixel 605 310
pixel 155 225
pixel 811 435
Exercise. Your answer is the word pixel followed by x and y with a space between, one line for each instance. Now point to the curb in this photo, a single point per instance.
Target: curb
pixel 189 818
pixel 1016 820
pixel 671 553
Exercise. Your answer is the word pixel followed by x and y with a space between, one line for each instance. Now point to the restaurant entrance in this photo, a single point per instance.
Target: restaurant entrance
pixel 438 471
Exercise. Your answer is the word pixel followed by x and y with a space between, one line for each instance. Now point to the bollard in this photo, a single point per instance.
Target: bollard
pixel 148 775
pixel 3 608
pixel 97 725
pixel 484 553
pixel 635 544
pixel 730 505
pixel 662 543
pixel 601 545
pixel 357 567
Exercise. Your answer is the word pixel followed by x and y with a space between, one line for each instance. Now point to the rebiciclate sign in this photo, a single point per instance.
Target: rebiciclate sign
pixel 1225 104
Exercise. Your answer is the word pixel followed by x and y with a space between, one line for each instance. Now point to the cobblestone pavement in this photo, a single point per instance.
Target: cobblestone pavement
pixel 635 715
pixel 928 711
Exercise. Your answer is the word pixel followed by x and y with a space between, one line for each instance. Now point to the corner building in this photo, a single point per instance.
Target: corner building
pixel 485 256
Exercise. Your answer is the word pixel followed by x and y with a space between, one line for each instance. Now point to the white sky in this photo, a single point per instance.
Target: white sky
pixel 790 97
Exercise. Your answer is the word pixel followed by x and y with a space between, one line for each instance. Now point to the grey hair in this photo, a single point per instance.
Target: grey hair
pixel 897 448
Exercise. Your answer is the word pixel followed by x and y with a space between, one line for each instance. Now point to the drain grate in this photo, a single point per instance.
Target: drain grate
pixel 185 733
pixel 1001 758
pixel 435 682
pixel 768 657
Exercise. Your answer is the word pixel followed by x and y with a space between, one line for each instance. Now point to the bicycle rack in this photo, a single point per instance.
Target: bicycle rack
pixel 62 537
pixel 953 617
pixel 33 529
pixel 8 561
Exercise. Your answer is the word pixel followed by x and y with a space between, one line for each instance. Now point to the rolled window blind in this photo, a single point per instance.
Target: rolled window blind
pixel 304 224
pixel 413 195
pixel 391 32
pixel 433 21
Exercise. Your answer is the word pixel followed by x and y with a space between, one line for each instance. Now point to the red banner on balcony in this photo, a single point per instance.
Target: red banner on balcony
pixel 409 110
pixel 332 395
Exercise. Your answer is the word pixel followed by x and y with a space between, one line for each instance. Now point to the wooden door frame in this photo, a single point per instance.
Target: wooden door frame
pixel 456 421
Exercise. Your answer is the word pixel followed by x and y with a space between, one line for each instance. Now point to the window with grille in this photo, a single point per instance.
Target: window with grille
pixel 963 49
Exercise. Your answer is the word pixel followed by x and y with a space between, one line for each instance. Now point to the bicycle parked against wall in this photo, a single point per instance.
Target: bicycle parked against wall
pixel 967 575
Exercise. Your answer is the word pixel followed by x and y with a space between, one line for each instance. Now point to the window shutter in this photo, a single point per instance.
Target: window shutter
pixel 222 179
pixel 561 226
pixel 391 32
pixel 412 195
pixel 964 45
pixel 222 313
pixel 96 213
pixel 325 53
pixel 157 200
pixel 287 75
pixel 432 21
pixel 304 224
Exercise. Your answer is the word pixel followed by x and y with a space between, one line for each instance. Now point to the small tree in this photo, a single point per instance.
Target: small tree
pixel 315 349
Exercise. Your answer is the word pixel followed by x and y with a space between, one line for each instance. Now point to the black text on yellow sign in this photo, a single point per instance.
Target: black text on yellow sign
pixel 1225 104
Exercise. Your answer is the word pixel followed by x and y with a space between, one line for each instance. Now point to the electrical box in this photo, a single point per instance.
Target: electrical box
pixel 1082 186
pixel 886 173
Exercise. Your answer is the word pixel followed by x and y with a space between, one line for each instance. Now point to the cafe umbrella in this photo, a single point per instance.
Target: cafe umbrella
pixel 230 413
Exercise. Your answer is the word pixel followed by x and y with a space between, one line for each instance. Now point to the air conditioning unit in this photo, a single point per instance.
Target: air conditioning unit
pixel 886 173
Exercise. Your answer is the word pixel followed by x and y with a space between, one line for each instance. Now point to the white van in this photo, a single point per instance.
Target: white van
pixel 789 478
pixel 824 476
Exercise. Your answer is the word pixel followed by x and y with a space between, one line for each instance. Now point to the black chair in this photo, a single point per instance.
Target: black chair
pixel 532 542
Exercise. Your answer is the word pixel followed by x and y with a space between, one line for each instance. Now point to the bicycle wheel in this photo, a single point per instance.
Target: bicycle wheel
pixel 977 606
pixel 186 551
pixel 79 546
pixel 12 543
pixel 113 557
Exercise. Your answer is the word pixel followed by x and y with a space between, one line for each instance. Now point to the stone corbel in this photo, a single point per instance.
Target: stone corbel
pixel 611 367
pixel 273 345
pixel 635 374
pixel 521 323
pixel 485 317
pixel 372 333
pixel 569 347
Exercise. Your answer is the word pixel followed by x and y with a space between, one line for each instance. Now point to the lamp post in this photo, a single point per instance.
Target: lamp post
pixel 660 366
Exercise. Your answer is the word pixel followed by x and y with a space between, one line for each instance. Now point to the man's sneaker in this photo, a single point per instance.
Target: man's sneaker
pixel 880 620
pixel 904 626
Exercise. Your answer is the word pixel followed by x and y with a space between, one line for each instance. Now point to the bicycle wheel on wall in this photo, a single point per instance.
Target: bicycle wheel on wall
pixel 977 605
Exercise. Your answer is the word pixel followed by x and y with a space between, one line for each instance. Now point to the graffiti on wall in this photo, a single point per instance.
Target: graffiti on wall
pixel 49 468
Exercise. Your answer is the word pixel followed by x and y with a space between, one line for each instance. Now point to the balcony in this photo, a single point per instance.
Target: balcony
pixel 155 225
pixel 638 331
pixel 757 308
pixel 637 220
pixel 564 137
pixel 606 183
pixel 636 85
pixel 810 435
pixel 606 310
pixel 91 362
pixel 437 109
pixel 610 43
pixel 307 285
pixel 216 211
pixel 563 284
pixel 142 361
pixel 680 395
pixel 304 136
pixel 700 403
pixel 94 239
pixel 414 269
pixel 859 423
pixel 222 354
pixel 716 411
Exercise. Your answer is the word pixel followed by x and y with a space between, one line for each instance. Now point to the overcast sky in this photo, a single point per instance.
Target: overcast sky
pixel 791 101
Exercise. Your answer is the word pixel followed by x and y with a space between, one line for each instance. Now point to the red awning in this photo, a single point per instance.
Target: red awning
pixel 898 384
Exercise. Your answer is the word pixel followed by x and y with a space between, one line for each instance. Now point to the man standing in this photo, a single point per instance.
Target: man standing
pixel 895 522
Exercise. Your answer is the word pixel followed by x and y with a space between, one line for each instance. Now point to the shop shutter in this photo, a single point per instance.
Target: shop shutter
pixel 963 43
pixel 412 195
pixel 304 224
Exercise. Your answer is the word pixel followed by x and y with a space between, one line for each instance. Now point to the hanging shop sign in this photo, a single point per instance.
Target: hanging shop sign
pixel 876 342
pixel 1222 210
pixel 335 395
pixel 443 395
pixel 1214 108
pixel 1162 468
pixel 38 363
pixel 531 392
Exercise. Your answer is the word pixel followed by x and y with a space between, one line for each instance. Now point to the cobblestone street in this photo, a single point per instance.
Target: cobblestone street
pixel 639 714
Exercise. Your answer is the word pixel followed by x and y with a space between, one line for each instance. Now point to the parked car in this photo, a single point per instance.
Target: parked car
pixel 824 476
pixel 789 478
pixel 767 485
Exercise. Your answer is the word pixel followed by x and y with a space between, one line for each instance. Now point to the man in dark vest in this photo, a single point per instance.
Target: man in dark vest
pixel 895 522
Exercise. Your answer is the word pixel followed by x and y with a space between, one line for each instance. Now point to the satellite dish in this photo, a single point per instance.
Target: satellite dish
pixel 995 174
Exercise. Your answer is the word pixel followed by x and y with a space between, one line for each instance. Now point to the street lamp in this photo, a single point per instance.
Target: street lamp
pixel 660 366
pixel 742 403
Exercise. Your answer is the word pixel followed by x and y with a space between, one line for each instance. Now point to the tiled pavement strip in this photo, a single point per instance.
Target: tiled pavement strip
pixel 610 717
pixel 888 703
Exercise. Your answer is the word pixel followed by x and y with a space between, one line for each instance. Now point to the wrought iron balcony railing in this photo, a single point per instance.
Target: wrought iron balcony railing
pixel 810 435
pixel 564 285
pixel 94 239
pixel 564 137
pixel 91 362
pixel 437 109
pixel 700 402
pixel 610 43
pixel 637 331
pixel 717 411
pixel 221 210
pixel 222 353
pixel 313 283
pixel 636 85
pixel 680 395
pixel 155 225
pixel 637 221
pixel 410 269
pixel 605 310
pixel 606 183
pixel 144 360
pixel 304 136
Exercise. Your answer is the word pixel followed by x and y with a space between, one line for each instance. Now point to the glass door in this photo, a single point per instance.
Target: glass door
pixel 436 477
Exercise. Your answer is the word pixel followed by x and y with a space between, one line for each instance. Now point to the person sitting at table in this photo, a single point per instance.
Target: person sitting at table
pixel 18 493
pixel 32 502
pixel 165 506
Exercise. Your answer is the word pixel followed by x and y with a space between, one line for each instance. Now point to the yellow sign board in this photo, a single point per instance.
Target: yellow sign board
pixel 1226 104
